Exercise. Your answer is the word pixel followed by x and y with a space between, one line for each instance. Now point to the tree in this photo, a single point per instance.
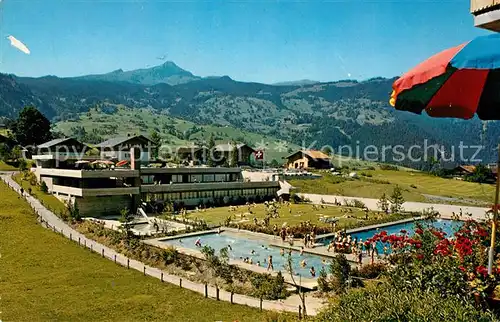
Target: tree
pixel 211 147
pixel 397 200
pixel 327 150
pixel 341 271
pixel 481 174
pixel 4 152
pixel 234 156
pixel 156 138
pixel 32 127
pixel 289 268
pixel 274 163
pixel 43 187
pixel 383 203
pixel 23 165
pixel 125 218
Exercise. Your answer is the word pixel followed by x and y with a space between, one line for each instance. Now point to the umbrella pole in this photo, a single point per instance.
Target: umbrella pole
pixel 491 253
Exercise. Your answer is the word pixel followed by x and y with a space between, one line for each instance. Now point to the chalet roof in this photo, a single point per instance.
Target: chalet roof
pixel 466 168
pixel 55 142
pixel 120 140
pixel 315 154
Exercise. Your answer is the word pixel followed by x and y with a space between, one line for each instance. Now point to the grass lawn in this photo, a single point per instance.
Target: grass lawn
pixel 48 199
pixel 299 213
pixel 6 167
pixel 47 277
pixel 415 186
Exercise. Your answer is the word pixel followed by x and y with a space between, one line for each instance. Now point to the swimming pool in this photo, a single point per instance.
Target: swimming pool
pixel 242 247
pixel 447 225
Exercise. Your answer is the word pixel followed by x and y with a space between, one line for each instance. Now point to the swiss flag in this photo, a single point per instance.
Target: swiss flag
pixel 259 155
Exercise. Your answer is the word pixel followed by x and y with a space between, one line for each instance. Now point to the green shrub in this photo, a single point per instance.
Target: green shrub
pixel 323 282
pixel 43 187
pixel 340 270
pixel 170 255
pixel 268 287
pixel 370 271
pixel 386 303
pixel 388 167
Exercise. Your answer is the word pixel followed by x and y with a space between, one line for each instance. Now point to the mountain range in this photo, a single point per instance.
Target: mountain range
pixel 347 112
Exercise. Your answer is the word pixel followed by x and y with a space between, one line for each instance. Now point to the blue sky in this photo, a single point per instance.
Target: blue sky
pixel 264 41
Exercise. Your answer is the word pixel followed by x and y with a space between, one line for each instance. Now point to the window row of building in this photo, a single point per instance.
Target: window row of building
pixel 189 178
pixel 209 194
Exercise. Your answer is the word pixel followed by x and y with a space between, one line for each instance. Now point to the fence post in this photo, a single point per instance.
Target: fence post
pixel 261 302
pixel 115 258
pixel 91 247
pixel 78 240
pixel 161 278
pixel 232 293
pixel 206 290
pixel 180 280
pixel 217 292
pixel 62 232
pixel 128 263
pixel 103 252
pixel 144 270
pixel 85 243
pixel 300 312
pixel 54 228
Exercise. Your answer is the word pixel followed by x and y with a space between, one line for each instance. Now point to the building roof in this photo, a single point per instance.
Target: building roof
pixel 120 140
pixel 315 154
pixel 228 147
pixel 466 168
pixel 55 142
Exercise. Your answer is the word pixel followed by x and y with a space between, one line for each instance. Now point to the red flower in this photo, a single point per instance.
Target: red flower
pixel 420 256
pixel 482 270
pixel 461 268
pixel 419 231
pixel 403 231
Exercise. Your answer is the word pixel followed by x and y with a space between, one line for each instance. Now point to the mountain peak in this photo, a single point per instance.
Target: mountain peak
pixel 170 63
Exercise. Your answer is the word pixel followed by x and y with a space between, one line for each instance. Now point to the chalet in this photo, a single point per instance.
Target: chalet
pixel 196 154
pixel 223 152
pixel 119 148
pixel 463 170
pixel 306 159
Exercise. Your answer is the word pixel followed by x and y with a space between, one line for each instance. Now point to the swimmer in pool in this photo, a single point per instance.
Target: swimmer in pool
pixel 303 263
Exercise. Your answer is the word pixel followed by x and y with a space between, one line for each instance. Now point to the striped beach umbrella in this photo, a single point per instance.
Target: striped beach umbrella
pixel 458 82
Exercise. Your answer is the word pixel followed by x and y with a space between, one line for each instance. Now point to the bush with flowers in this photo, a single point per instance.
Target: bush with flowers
pixel 451 265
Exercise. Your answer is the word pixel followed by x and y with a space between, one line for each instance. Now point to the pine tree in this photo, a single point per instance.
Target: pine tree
pixel 383 203
pixel 234 156
pixel 397 200
pixel 211 147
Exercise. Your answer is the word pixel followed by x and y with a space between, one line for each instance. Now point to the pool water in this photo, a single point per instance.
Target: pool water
pixel 242 247
pixel 446 225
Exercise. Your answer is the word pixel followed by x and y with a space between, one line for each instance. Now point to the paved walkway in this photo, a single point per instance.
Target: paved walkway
pixel 443 209
pixel 50 220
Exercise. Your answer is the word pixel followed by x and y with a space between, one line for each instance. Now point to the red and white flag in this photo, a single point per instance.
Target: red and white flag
pixel 259 155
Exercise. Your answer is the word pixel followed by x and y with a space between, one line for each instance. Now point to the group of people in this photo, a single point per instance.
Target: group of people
pixel 343 243
pixel 310 240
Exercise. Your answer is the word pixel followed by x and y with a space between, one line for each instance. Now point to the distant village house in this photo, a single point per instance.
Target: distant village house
pixel 308 159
